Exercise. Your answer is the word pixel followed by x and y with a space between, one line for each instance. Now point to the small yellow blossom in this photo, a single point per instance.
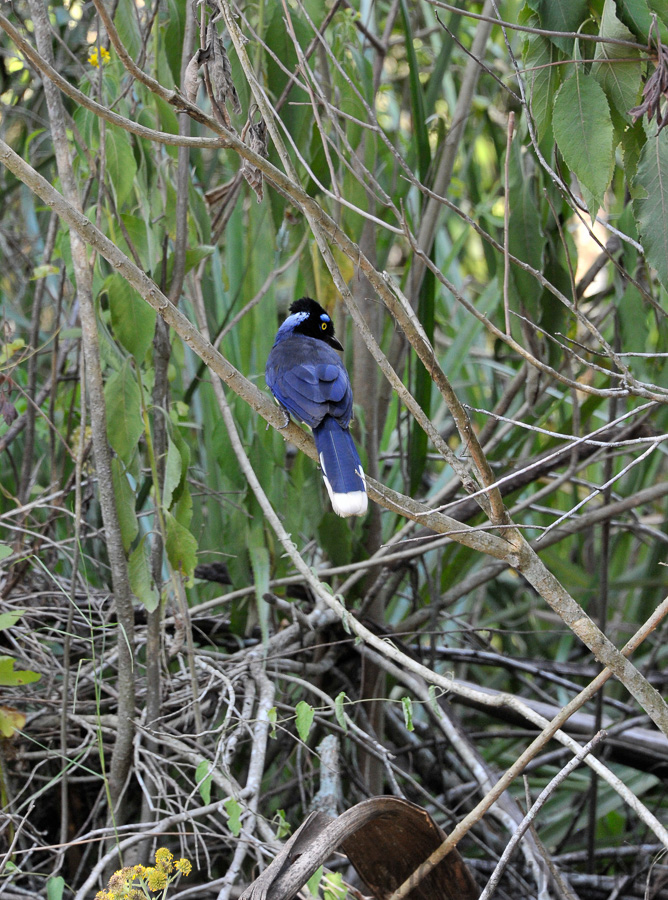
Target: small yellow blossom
pixel 94 58
pixel 151 878
pixel 156 880
pixel 164 859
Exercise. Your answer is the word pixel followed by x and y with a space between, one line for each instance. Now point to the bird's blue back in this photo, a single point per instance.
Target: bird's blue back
pixel 307 377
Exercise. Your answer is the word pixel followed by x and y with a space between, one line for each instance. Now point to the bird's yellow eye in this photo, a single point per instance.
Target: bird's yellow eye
pixel 324 326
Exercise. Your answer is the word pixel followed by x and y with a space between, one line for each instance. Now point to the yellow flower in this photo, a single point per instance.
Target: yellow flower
pixel 164 860
pixel 94 58
pixel 156 879
pixel 184 866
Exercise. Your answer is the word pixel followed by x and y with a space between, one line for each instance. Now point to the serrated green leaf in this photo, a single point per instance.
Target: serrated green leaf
pixel 132 319
pixel 584 133
pixel 637 15
pixel 9 677
pixel 203 778
pixel 233 810
pixel 561 15
pixel 543 79
pixel 339 711
pixel 181 546
pixel 124 416
pixel 125 503
pixel 651 202
pixel 616 68
pixel 7 620
pixel 141 581
pixel 407 706
pixel 125 21
pixel 305 714
pixel 121 163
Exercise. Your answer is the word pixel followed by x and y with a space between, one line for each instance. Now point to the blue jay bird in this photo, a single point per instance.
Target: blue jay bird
pixel 308 379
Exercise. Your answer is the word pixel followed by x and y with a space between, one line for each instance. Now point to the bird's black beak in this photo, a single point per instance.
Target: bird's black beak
pixel 334 342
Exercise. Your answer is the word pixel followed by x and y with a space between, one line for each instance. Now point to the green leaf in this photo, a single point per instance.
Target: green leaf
pixel 173 473
pixel 525 232
pixel 584 133
pixel 203 778
pixel 632 314
pixel 651 202
pixel 333 887
pixel 9 677
pixel 181 546
pixel 419 129
pixel 10 618
pixel 339 711
pixel 619 78
pixel 637 15
pixel 305 714
pixel 272 716
pixel 632 142
pixel 124 417
pixel 542 79
pixel 407 705
pixel 125 21
pixel 313 883
pixel 233 810
pixel 561 15
pixel 125 503
pixel 132 319
pixel 141 581
pixel 11 721
pixel 283 828
pixel 5 551
pixel 55 885
pixel 121 164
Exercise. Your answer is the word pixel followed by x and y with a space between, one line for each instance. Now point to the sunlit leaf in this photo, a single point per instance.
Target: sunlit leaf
pixel 304 717
pixel 584 132
pixel 9 677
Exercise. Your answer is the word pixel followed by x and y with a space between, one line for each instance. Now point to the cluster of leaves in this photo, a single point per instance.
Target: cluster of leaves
pixel 584 96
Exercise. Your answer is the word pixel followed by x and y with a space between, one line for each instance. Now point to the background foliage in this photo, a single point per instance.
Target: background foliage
pixel 478 195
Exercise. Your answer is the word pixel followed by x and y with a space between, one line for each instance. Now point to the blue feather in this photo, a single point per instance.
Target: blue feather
pixel 307 377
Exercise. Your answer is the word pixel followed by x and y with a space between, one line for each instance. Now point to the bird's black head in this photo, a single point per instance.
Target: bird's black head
pixel 309 318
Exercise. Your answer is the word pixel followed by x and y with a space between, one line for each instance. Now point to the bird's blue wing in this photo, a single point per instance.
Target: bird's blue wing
pixel 309 380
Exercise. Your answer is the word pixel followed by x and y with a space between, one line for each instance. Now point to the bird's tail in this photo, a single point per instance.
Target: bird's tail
pixel 341 468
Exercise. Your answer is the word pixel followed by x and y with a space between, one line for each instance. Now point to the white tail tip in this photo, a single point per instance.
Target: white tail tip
pixel 354 503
